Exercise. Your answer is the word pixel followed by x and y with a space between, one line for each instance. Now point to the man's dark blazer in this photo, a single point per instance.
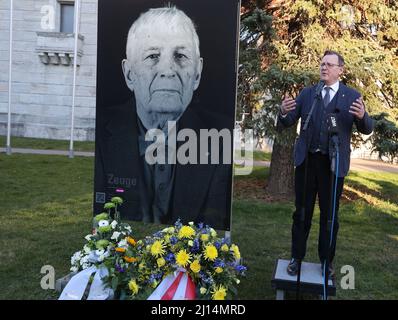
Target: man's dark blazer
pixel 345 97
pixel 202 192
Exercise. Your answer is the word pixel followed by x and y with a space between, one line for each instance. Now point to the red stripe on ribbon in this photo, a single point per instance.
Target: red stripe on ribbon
pixel 190 292
pixel 169 294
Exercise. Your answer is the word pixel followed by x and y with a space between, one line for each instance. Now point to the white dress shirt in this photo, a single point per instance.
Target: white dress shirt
pixel 333 90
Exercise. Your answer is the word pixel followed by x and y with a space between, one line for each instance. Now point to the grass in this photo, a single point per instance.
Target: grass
pixel 257 155
pixel 46 212
pixel 47 144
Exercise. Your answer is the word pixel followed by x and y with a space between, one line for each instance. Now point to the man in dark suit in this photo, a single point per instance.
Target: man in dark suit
pixel 163 69
pixel 313 145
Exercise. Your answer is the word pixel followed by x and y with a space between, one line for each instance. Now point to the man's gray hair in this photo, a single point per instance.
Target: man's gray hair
pixel 167 15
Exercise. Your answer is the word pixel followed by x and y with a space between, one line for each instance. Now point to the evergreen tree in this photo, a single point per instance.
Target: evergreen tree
pixel 282 42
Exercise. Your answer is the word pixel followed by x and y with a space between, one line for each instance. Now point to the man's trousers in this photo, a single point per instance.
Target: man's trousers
pixel 318 183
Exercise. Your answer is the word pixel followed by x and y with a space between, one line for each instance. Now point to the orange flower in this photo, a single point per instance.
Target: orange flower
pixel 122 250
pixel 131 241
pixel 129 259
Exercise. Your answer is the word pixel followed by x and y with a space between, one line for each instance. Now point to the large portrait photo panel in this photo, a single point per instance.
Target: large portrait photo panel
pixel 165 110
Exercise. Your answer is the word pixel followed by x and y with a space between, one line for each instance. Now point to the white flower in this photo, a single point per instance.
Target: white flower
pixel 190 243
pixel 213 233
pixel 85 266
pixel 86 249
pixel 99 252
pixel 122 243
pixel 75 258
pixel 168 230
pixel 88 237
pixel 83 260
pixel 191 223
pixel 103 223
pixel 114 224
pixel 74 269
pixel 115 235
pixel 128 228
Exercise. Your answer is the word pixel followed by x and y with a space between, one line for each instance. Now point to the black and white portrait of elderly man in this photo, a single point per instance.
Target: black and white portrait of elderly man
pixel 162 69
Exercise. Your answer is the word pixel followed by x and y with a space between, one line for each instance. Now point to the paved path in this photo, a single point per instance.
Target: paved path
pixel 49 152
pixel 356 164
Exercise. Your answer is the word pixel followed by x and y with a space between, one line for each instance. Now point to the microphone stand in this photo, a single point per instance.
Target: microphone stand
pixel 301 237
pixel 330 222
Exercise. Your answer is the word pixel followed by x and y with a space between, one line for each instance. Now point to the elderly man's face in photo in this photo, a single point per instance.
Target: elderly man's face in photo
pixel 163 69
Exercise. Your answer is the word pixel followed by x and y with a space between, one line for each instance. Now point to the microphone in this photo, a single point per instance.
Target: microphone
pixel 333 130
pixel 333 127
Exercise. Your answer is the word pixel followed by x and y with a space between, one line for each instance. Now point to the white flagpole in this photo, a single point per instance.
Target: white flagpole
pixel 9 84
pixel 76 30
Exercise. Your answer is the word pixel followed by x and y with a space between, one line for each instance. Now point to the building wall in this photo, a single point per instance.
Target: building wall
pixel 42 93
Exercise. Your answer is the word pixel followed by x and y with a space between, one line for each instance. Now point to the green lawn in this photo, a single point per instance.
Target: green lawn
pixel 47 144
pixel 46 212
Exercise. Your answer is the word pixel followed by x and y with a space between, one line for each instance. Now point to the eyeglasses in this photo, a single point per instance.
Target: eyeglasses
pixel 329 65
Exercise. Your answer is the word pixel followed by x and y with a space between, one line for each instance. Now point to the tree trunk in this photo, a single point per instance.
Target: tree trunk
pixel 280 182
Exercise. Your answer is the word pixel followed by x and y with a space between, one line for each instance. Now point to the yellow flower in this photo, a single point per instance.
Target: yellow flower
pixel 161 262
pixel 219 293
pixel 141 265
pixel 224 248
pixel 122 250
pixel 133 286
pixel 186 232
pixel 203 290
pixel 183 258
pixel 235 250
pixel 210 252
pixel 204 237
pixel 195 266
pixel 131 241
pixel 219 270
pixel 157 248
pixel 154 284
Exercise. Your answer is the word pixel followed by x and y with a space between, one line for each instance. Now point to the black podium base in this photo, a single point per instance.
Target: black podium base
pixel 311 280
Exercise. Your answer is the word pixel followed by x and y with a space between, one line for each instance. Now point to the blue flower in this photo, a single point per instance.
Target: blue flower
pixel 173 240
pixel 240 269
pixel 119 269
pixel 205 278
pixel 178 223
pixel 217 244
pixel 219 263
pixel 152 278
pixel 170 258
pixel 200 225
pixel 158 234
pixel 195 248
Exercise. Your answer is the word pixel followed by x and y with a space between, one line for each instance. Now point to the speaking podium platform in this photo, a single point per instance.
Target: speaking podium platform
pixel 311 280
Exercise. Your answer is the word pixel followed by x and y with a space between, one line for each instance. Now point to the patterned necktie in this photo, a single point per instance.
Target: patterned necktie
pixel 326 98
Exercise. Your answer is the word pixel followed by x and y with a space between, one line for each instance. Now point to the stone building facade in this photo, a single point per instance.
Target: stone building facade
pixel 42 68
